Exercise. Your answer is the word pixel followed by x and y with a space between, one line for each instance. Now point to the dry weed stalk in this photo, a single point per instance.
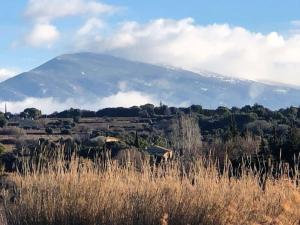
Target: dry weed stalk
pixel 84 193
pixel 164 219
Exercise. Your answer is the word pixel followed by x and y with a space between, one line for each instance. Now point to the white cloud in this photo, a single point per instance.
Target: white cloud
pixel 296 23
pixel 295 30
pixel 43 12
pixel 49 105
pixel 91 25
pixel 221 48
pixel 47 10
pixel 42 35
pixel 127 99
pixel 7 73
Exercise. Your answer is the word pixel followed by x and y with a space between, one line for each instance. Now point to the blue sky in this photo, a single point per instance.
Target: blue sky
pixel 257 15
pixel 22 21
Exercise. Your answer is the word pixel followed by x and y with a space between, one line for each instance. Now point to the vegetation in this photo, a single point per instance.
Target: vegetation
pixel 3 120
pixel 2 148
pixel 49 130
pixel 82 192
pixel 31 113
pixel 231 166
pixel 191 132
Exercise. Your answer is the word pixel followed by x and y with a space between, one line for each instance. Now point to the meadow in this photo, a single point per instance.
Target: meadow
pixel 82 192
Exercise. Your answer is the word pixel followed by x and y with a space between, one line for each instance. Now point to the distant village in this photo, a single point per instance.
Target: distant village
pixel 157 132
pixel 123 136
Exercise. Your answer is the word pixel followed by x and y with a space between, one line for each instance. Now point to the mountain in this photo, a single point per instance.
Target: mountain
pixel 89 75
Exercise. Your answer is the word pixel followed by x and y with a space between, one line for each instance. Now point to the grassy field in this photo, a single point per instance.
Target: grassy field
pixel 83 193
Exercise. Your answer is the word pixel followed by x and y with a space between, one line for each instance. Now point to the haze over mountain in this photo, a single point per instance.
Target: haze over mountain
pixel 92 76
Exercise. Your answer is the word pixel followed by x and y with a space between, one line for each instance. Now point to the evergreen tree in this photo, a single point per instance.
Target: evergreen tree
pixel 232 132
pixel 275 144
pixel 264 148
pixel 3 120
pixel 291 146
pixel 136 141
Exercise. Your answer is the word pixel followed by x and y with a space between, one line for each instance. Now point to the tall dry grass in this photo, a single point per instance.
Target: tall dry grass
pixel 83 193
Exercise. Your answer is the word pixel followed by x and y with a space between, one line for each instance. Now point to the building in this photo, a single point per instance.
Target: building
pixel 104 140
pixel 160 153
pixel 111 139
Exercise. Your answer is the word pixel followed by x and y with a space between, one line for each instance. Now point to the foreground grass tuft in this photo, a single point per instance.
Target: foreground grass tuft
pixel 83 193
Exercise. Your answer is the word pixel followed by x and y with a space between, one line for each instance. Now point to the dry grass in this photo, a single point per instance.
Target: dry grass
pixel 85 194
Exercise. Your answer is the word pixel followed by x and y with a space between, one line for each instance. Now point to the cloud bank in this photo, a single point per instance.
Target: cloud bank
pixel 6 74
pixel 43 35
pixel 221 48
pixel 46 11
pixel 43 12
pixel 50 105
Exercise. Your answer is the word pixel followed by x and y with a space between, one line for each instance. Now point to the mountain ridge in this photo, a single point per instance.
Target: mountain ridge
pixel 90 75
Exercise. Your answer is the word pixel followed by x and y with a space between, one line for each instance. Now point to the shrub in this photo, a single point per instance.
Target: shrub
pixel 76 119
pixel 2 148
pixel 3 120
pixel 65 132
pixel 31 113
pixel 16 131
pixel 49 130
pixel 9 141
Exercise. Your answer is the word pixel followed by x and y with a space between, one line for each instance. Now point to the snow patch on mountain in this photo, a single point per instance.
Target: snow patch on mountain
pixel 92 76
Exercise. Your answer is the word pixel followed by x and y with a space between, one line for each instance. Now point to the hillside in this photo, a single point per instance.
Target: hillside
pixel 89 75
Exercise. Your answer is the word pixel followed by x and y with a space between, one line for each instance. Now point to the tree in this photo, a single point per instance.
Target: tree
pixel 196 108
pixel 162 110
pixel 76 119
pixel 263 147
pixel 275 144
pixel 2 148
pixel 49 130
pixel 136 140
pixel 233 131
pixel 233 127
pixel 222 110
pixel 291 146
pixel 31 113
pixel 186 136
pixel 149 108
pixel 3 120
pixel 160 141
pixel 66 132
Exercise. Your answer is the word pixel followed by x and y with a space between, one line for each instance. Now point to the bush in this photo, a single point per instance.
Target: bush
pixel 9 141
pixel 65 132
pixel 16 131
pixel 76 119
pixel 49 130
pixel 31 113
pixel 2 148
pixel 3 121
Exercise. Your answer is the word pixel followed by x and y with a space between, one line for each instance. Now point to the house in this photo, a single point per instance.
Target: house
pixel 111 139
pixel 104 140
pixel 13 124
pixel 160 153
pixel 131 157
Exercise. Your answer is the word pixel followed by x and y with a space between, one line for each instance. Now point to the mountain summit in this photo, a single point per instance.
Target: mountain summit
pixel 89 75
